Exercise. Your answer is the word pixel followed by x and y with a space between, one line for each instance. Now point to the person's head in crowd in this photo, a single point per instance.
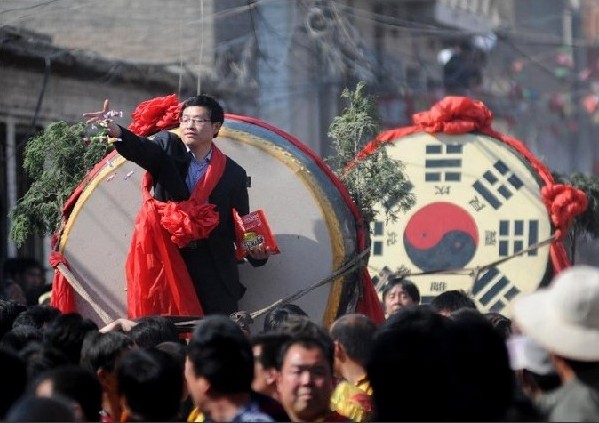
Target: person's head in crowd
pixel 299 325
pixel 305 378
pixel 178 352
pixel 10 289
pixel 66 333
pixel 449 301
pixel 100 354
pixel 75 383
pixel 265 349
pixel 14 379
pixel 532 365
pixel 31 275
pixel 40 358
pixel 150 384
pixel 564 319
pixel 152 330
pixel 37 316
pixel 278 315
pixel 411 363
pixel 28 273
pixel 481 358
pixel 20 337
pixel 219 368
pixel 501 323
pixel 352 337
pixel 399 292
pixel 42 409
pixel 9 311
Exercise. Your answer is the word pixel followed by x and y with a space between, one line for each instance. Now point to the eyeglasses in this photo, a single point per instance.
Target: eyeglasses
pixel 195 121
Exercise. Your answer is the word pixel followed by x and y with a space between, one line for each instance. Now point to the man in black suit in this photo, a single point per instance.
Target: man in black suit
pixel 177 163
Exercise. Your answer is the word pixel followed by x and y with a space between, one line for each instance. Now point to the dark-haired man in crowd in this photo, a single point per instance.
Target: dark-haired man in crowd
pixel 219 370
pixel 352 336
pixel 266 347
pixel 453 300
pixel 399 292
pixel 305 379
pixel 100 354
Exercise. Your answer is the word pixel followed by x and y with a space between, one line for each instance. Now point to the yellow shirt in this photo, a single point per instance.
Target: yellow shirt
pixel 195 416
pixel 353 401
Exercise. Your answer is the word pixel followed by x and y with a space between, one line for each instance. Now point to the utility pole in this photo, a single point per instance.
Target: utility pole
pixel 582 152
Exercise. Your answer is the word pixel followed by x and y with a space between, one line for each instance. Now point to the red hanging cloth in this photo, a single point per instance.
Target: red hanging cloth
pixel 157 278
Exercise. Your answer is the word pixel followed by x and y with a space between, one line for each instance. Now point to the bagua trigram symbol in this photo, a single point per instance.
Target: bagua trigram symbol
pixel 493 290
pixel 498 184
pixel 443 163
pixel 516 233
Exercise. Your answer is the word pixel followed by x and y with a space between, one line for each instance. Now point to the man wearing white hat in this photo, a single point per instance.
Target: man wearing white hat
pixel 564 319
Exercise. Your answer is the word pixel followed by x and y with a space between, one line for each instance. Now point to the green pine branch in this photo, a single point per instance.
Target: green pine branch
pixel 378 181
pixel 56 160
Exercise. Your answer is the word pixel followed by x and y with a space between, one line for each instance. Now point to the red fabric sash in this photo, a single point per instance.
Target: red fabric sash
pixel 62 296
pixel 157 278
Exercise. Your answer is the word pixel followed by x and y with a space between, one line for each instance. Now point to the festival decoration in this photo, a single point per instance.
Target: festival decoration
pixel 486 207
pixel 323 248
pixel 381 179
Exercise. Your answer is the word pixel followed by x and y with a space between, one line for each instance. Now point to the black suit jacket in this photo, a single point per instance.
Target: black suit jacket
pixel 211 262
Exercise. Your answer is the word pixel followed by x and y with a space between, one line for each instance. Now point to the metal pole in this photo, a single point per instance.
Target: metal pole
pixel 583 149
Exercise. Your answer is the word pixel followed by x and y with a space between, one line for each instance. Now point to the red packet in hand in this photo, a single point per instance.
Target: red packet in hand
pixel 251 230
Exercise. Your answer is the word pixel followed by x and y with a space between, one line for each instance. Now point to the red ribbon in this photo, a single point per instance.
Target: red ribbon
pixel 563 203
pixel 454 115
pixel 63 296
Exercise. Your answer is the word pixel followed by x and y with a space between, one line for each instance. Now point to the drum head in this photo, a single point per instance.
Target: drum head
pixel 478 203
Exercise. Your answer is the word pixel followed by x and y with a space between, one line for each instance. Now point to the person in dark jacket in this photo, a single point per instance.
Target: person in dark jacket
pixel 178 164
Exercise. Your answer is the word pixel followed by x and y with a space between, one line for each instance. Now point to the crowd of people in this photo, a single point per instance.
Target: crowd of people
pixel 442 361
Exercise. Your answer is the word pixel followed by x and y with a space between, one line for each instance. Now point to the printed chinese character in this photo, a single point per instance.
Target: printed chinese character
pixel 490 237
pixel 438 286
pixel 476 204
pixel 391 238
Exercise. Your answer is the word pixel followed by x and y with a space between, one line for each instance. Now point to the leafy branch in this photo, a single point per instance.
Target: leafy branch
pixel 378 179
pixel 57 160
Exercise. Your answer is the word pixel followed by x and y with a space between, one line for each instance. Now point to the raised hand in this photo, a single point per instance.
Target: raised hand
pixel 103 118
pixel 98 116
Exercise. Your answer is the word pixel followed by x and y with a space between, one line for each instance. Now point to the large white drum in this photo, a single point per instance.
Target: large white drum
pixel 488 217
pixel 478 204
pixel 308 210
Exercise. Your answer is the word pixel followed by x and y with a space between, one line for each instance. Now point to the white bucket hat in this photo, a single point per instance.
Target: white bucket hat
pixel 564 318
pixel 527 354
